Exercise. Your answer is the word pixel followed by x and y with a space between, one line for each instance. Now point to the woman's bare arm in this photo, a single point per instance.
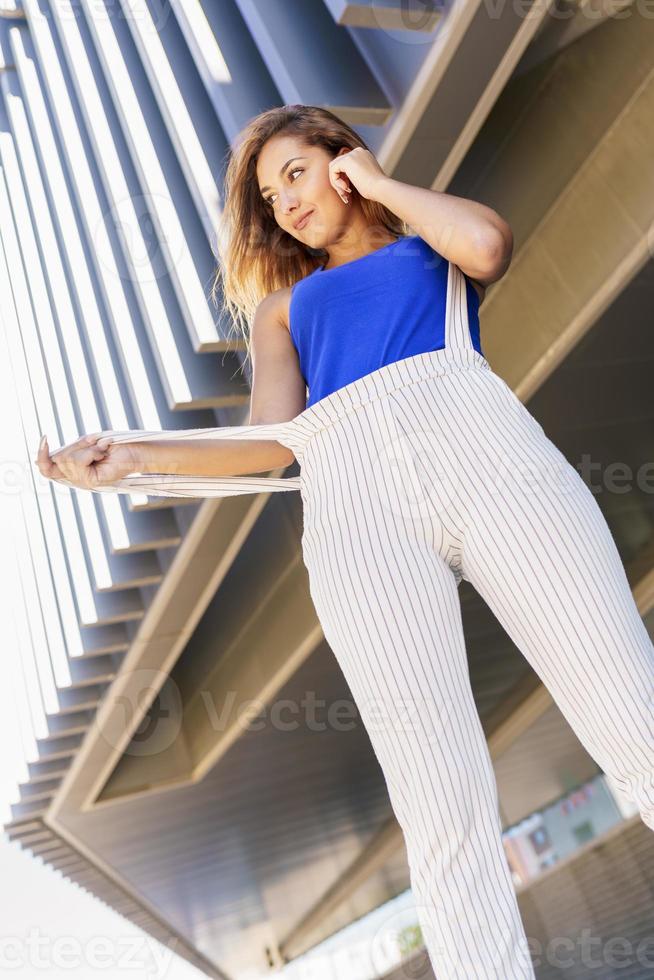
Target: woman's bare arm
pixel 278 388
pixel 212 457
pixel 278 395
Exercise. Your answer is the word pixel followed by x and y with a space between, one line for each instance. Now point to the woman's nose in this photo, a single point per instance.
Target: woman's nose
pixel 287 203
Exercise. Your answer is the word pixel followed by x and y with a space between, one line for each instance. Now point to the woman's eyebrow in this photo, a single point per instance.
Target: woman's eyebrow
pixel 281 172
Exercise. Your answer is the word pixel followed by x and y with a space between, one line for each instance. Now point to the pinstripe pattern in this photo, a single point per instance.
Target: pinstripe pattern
pixel 295 433
pixel 386 546
pixel 418 475
pixel 180 485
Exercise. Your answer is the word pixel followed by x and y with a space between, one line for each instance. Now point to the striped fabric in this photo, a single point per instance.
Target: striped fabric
pixel 422 473
pixel 179 485
pixel 431 473
pixel 292 434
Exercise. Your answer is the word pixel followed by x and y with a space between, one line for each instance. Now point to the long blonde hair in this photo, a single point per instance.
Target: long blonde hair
pixel 256 256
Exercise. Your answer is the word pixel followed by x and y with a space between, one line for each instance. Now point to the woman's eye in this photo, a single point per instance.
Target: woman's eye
pixel 295 170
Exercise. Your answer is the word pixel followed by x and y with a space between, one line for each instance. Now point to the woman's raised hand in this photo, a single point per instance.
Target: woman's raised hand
pixel 90 462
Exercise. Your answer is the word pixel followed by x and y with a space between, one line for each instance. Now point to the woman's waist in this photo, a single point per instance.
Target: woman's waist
pixel 376 384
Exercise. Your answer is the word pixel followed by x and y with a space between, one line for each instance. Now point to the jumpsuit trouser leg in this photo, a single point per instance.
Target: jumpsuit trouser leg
pixel 536 546
pixel 403 497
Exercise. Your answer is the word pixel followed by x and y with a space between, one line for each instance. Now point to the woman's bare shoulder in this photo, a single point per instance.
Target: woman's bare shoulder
pixel 278 301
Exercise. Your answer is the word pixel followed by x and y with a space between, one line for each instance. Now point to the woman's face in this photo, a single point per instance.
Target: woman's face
pixel 293 189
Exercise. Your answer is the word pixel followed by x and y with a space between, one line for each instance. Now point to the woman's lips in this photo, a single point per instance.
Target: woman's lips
pixel 302 223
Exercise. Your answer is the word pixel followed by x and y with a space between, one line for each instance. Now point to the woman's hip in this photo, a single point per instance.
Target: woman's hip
pixel 429 447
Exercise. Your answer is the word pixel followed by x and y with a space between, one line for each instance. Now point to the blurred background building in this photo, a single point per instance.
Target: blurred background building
pixel 191 753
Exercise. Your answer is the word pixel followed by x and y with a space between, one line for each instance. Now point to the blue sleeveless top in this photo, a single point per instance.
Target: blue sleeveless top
pixel 390 304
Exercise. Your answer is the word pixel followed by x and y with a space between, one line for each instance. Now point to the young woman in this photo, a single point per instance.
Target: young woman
pixel 418 467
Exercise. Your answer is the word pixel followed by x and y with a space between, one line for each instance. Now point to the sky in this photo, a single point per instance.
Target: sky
pixel 50 927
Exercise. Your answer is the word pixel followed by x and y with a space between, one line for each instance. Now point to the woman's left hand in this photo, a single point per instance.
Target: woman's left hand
pixel 89 462
pixel 361 168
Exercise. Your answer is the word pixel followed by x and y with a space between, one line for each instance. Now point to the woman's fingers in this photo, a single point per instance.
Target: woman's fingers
pixel 75 465
pixel 46 466
pixel 73 462
pixel 82 442
pixel 90 462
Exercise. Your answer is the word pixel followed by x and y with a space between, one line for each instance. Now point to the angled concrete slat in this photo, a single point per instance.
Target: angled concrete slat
pixel 388 15
pixel 21 811
pixel 38 792
pixel 148 531
pixel 60 748
pixel 152 39
pixel 76 723
pixel 61 535
pixel 133 569
pixel 162 360
pixel 231 68
pixel 38 838
pixel 68 861
pixel 72 700
pixel 47 850
pixel 86 673
pixel 18 830
pixel 63 395
pixel 39 771
pixel 116 607
pixel 301 46
pixel 184 252
pixel 447 103
pixel 12 10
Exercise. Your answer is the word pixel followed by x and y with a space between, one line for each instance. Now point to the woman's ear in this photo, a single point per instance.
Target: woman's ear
pixel 345 149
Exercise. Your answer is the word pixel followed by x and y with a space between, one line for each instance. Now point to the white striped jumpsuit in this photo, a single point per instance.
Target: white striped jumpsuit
pixel 421 473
